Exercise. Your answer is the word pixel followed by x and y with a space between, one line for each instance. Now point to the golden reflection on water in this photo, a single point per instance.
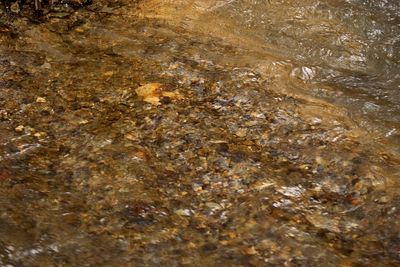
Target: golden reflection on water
pixel 311 49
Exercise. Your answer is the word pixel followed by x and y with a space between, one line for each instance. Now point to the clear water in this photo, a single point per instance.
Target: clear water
pixel 272 138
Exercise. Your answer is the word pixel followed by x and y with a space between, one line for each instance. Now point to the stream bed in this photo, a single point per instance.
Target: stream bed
pixel 201 133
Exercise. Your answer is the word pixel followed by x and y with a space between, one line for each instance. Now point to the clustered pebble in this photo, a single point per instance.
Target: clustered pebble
pixel 125 148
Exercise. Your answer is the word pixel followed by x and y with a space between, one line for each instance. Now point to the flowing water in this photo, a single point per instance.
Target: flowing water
pixel 201 133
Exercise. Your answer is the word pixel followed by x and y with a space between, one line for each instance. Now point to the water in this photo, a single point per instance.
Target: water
pixel 346 52
pixel 201 133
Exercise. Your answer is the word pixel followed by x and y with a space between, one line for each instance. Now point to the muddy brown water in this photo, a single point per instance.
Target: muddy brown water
pixel 263 133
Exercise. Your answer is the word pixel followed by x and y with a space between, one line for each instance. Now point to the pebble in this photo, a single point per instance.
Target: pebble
pixel 183 212
pixel 320 160
pixel 41 100
pixel 249 250
pixel 323 222
pixel 242 132
pixel 20 128
pixel 213 206
pixel 15 7
pixel 40 134
pixel 197 187
pixel 46 65
pixel 153 92
pixel 383 200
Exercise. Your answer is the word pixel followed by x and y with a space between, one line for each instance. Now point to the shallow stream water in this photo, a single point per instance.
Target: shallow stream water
pixel 201 133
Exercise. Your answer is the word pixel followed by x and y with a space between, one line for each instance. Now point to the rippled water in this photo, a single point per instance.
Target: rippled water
pixel 346 52
pixel 201 133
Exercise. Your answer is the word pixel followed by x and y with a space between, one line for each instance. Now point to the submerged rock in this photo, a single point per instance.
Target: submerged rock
pixel 155 93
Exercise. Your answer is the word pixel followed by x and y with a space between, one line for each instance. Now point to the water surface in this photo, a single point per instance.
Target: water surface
pixel 271 139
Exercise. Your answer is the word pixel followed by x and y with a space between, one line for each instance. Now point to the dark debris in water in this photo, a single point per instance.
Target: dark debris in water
pixel 15 6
